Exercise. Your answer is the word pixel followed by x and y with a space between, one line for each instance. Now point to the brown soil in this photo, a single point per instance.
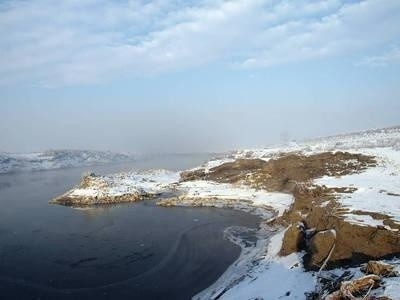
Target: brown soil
pixel 293 173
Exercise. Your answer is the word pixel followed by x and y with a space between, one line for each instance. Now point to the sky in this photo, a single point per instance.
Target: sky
pixel 145 76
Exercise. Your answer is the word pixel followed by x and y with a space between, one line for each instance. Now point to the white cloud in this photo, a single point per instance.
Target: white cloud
pixel 389 57
pixel 87 41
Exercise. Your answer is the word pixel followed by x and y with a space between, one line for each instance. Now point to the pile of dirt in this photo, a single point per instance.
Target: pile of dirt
pixel 293 173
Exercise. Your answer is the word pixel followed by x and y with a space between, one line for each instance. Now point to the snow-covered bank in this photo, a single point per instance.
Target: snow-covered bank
pixel 207 193
pixel 260 273
pixel 57 159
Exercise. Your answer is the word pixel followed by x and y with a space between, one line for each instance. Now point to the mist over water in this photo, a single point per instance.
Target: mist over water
pixel 128 126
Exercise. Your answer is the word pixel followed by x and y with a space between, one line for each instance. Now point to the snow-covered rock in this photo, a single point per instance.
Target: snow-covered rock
pixel 116 188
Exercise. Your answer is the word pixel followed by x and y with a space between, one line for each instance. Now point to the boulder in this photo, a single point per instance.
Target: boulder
pixel 320 246
pixel 292 240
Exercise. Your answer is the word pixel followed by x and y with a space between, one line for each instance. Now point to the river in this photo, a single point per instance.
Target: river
pixel 129 251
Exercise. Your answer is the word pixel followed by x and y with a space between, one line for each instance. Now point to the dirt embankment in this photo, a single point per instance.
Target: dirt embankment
pixel 314 206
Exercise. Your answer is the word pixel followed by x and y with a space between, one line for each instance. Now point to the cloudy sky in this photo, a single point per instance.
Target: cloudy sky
pixel 194 75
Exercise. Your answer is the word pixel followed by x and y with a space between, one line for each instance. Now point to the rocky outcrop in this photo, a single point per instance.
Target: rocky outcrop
pixel 97 190
pixel 351 239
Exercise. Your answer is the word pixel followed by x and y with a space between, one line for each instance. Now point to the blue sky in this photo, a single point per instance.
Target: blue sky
pixel 183 76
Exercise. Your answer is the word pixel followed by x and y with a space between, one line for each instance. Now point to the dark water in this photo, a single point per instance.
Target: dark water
pixel 130 251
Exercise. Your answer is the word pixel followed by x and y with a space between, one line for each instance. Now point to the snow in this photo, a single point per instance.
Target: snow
pixel 85 192
pixel 223 191
pixel 282 278
pixel 213 163
pixel 378 138
pixel 56 159
pixel 273 271
pixel 365 220
pixel 271 277
pixel 149 182
pixel 153 181
pixel 376 188
pixel 386 137
pixel 216 162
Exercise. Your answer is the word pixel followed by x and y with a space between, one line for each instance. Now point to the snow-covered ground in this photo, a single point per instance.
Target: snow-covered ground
pixel 260 273
pixel 378 138
pixel 378 189
pixel 150 182
pixel 239 197
pixel 56 159
pixel 369 139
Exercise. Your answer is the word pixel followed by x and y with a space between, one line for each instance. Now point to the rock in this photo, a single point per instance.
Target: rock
pixel 292 240
pixel 370 241
pixel 379 268
pixel 320 246
pixel 189 175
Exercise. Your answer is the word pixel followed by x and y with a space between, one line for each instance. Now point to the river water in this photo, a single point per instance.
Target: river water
pixel 130 251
